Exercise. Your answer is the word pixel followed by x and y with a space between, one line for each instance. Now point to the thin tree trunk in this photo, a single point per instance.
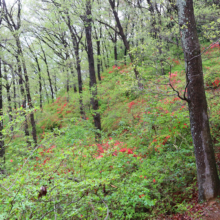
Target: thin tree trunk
pixel 93 86
pixel 27 87
pixel 115 49
pixel 101 64
pixel 107 56
pixel 45 87
pixel 74 88
pixel 105 63
pixel 98 44
pixel 123 36
pixel 67 83
pixel 48 73
pixel 20 82
pixel 40 82
pixel 98 59
pixel 80 84
pixel 2 148
pixel 125 56
pixel 55 82
pixel 14 91
pixel 207 175
pixel 75 43
pixel 39 76
pixel 73 75
pixel 8 87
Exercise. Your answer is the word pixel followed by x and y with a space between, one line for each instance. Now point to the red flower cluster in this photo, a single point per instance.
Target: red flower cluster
pixel 173 74
pixel 104 146
pixel 58 99
pixel 129 151
pixel 166 139
pixel 216 45
pixel 176 61
pixel 216 82
pixel 131 104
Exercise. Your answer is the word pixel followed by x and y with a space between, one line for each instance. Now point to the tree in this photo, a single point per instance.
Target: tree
pixel 2 148
pixel 94 101
pixel 124 38
pixel 15 28
pixel 207 175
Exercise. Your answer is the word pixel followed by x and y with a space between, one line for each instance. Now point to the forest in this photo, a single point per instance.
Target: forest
pixel 109 109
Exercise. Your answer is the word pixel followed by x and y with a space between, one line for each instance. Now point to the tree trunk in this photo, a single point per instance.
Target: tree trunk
pixel 124 38
pixel 105 63
pixel 40 82
pixel 93 86
pixel 115 49
pixel 75 43
pixel 98 59
pixel 55 82
pixel 125 56
pixel 207 175
pixel 45 87
pixel 73 75
pixel 14 91
pixel 67 82
pixel 107 56
pixel 39 76
pixel 27 87
pixel 48 73
pixel 20 82
pixel 98 44
pixel 8 87
pixel 2 148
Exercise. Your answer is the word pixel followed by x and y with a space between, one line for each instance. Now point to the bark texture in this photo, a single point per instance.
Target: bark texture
pixel 2 148
pixel 93 86
pixel 207 175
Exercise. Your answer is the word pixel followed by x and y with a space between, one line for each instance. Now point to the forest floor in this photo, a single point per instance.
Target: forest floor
pixel 212 211
pixel 205 211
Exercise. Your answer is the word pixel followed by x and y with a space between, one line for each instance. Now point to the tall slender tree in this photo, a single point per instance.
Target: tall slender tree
pixel 2 148
pixel 15 28
pixel 207 175
pixel 94 101
pixel 124 38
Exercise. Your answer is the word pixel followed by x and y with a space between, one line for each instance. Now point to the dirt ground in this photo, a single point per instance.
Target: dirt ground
pixel 212 211
pixel 205 211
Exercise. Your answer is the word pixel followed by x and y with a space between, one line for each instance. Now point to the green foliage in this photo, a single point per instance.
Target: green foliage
pixel 143 167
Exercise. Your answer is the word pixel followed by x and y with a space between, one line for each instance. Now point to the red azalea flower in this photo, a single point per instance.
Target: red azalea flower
pixel 140 196
pixel 130 151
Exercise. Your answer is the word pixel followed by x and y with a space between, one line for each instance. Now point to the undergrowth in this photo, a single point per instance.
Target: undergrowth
pixel 142 168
